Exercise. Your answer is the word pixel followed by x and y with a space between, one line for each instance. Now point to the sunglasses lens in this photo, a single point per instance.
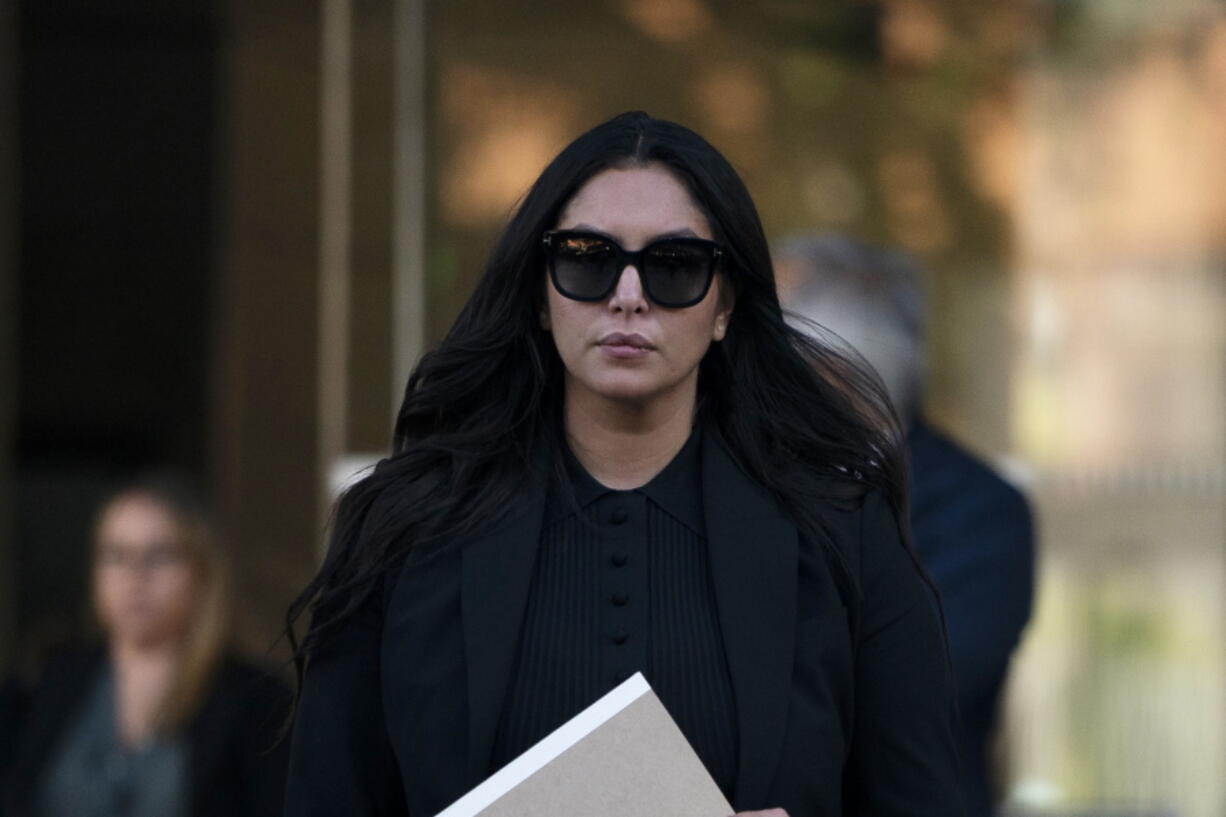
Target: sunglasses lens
pixel 675 272
pixel 583 266
pixel 678 273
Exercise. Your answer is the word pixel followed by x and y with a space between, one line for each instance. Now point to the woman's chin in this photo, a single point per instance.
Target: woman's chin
pixel 631 388
pixel 143 634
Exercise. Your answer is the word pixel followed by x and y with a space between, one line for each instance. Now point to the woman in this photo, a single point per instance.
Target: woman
pixel 621 458
pixel 159 720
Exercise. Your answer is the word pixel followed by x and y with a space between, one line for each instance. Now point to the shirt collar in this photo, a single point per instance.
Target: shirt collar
pixel 677 489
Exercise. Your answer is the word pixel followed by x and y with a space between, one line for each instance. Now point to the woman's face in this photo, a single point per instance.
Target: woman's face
pixel 145 583
pixel 634 206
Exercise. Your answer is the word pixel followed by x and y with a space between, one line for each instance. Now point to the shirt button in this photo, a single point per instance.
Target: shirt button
pixel 620 599
pixel 619 559
pixel 619 637
pixel 618 516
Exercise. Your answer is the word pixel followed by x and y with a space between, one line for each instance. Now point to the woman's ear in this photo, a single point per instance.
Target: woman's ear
pixel 544 317
pixel 727 300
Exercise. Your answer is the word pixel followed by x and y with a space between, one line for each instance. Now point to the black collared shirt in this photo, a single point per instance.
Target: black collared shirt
pixel 622 585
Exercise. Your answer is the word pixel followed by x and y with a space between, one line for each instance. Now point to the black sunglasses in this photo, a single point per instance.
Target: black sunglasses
pixel 675 272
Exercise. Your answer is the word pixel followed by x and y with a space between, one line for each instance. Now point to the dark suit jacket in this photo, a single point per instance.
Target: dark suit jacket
pixel 235 766
pixel 973 532
pixel 398 713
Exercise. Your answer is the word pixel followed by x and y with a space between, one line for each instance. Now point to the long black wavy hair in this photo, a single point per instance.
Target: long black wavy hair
pixel 484 409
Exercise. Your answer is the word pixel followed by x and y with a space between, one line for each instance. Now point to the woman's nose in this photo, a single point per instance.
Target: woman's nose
pixel 628 295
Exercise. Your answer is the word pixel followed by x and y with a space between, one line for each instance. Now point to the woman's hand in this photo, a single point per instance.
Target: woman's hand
pixel 770 812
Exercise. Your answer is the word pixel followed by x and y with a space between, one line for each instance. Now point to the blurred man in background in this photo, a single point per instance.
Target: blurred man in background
pixel 971 529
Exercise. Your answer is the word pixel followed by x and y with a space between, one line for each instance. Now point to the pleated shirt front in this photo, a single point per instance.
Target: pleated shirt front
pixel 622 585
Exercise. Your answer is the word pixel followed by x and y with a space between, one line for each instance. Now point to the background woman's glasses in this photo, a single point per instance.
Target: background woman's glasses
pixel 675 272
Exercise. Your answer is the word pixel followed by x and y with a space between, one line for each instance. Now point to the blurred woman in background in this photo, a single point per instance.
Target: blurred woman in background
pixel 159 718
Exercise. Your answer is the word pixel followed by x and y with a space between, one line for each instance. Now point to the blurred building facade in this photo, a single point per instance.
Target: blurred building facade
pixel 238 223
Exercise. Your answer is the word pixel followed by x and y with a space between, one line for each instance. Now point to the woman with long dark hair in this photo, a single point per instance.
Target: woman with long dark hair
pixel 621 458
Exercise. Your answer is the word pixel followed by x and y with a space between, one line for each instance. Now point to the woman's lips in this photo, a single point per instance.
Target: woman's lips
pixel 622 345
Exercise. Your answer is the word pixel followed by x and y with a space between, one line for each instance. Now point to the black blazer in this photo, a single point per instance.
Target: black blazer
pixel 236 765
pixel 399 712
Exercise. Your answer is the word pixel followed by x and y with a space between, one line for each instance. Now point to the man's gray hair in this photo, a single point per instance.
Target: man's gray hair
pixel 871 296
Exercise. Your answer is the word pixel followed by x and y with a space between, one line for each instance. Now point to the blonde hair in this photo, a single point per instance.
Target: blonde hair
pixel 209 630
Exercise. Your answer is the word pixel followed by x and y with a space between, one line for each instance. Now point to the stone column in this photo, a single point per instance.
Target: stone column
pixel 265 415
pixel 321 302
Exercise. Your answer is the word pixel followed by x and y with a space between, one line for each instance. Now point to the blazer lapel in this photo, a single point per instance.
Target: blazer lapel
pixel 497 574
pixel 753 557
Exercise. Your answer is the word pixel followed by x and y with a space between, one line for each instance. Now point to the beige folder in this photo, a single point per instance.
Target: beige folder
pixel 623 756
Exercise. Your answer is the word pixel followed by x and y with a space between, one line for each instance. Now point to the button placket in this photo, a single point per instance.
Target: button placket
pixel 623 602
